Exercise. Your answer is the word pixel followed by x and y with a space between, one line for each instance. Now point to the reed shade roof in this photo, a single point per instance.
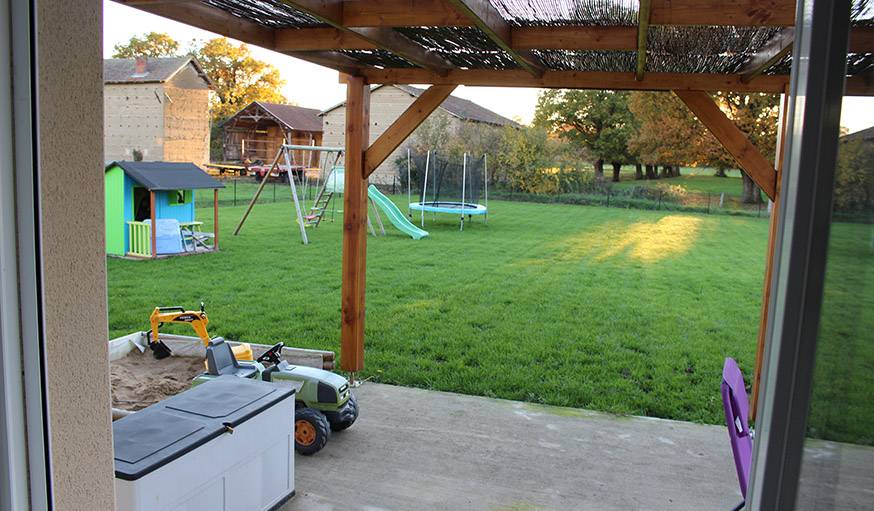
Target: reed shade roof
pixel 669 49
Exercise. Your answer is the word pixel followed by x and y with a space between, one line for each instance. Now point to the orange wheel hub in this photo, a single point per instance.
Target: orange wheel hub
pixel 304 432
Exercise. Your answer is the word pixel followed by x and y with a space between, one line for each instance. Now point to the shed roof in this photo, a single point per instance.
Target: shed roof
pixel 158 70
pixel 165 175
pixel 462 108
pixel 293 117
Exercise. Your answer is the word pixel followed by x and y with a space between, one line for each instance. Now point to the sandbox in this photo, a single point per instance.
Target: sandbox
pixel 139 380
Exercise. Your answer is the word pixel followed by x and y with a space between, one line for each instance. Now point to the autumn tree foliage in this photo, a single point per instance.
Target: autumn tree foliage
pixel 598 121
pixel 666 133
pixel 238 77
pixel 150 45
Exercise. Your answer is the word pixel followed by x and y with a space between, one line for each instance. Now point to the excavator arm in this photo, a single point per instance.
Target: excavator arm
pixel 198 321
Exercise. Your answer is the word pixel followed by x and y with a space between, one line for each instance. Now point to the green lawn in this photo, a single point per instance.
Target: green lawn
pixel 621 310
pixel 696 180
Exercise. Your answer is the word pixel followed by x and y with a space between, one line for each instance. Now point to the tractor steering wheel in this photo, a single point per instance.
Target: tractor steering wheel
pixel 272 355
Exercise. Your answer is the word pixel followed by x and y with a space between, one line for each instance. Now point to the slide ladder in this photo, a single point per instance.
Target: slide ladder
pixel 395 216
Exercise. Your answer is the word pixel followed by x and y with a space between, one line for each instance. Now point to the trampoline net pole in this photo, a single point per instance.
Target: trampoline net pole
pixel 463 185
pixel 425 185
pixel 486 183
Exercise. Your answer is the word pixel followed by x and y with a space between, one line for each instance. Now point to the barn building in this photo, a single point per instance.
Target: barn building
pixel 256 132
pixel 387 102
pixel 156 109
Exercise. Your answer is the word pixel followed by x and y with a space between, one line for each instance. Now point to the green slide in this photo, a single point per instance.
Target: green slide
pixel 394 215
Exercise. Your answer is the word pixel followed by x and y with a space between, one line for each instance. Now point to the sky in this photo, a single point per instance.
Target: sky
pixel 314 86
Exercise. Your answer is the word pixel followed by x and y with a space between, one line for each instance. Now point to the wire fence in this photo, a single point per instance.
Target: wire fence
pixel 239 190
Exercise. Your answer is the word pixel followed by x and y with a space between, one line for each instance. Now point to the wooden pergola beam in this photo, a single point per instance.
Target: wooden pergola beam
pixel 404 126
pixel 354 226
pixel 439 13
pixel 773 227
pixel 732 139
pixel 385 38
pixel 862 40
pixel 202 16
pixel 521 38
pixel 330 59
pixel 489 20
pixel 642 34
pixel 577 80
pixel 723 12
pixel 771 53
pixel 573 38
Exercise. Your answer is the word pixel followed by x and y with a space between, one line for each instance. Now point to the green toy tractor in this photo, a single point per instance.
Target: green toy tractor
pixel 323 401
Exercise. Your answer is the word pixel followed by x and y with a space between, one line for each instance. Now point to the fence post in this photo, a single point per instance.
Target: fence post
pixel 235 191
pixel 659 205
pixel 708 203
pixel 274 191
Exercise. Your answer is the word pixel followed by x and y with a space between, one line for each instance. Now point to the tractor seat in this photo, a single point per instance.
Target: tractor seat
pixel 220 360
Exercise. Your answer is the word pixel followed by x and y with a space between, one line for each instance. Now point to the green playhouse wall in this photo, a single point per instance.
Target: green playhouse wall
pixel 114 210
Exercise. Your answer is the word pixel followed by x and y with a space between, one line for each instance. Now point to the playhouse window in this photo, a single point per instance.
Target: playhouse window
pixel 181 197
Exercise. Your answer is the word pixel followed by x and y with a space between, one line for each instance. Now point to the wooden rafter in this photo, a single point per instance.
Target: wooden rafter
pixel 723 12
pixel 862 40
pixel 642 34
pixel 521 38
pixel 404 125
pixel 438 13
pixel 202 16
pixel 489 20
pixel 330 59
pixel 732 139
pixel 771 53
pixel 577 80
pixel 386 38
pixel 574 38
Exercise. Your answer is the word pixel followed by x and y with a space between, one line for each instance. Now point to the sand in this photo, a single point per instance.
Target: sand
pixel 138 380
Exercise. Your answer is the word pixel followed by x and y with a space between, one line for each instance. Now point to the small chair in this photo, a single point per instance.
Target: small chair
pixel 220 360
pixel 737 407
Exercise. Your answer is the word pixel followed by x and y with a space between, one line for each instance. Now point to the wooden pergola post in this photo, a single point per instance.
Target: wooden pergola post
pixel 215 224
pixel 769 261
pixel 153 235
pixel 354 226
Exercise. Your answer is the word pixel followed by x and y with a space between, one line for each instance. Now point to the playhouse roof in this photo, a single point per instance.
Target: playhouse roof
pixel 164 175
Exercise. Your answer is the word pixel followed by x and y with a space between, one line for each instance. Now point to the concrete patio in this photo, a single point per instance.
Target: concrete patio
pixel 414 449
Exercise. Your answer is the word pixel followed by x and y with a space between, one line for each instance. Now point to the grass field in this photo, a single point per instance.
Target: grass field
pixel 696 180
pixel 627 311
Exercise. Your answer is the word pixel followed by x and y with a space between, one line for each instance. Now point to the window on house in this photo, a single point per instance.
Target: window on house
pixel 181 196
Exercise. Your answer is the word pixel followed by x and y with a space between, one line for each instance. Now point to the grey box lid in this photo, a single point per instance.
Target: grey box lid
pixel 151 438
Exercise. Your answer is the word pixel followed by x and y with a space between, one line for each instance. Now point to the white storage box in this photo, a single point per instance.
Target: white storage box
pixel 227 444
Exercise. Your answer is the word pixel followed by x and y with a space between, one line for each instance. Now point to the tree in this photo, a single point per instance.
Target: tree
pixel 238 78
pixel 666 133
pixel 150 45
pixel 854 179
pixel 598 121
pixel 756 116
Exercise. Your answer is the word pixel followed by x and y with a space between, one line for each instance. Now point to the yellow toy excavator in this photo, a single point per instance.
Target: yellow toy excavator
pixel 198 321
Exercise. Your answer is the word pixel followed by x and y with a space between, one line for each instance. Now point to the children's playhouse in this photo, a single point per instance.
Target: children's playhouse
pixel 142 194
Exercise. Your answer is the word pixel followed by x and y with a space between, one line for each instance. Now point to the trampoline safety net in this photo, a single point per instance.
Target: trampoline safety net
pixel 460 179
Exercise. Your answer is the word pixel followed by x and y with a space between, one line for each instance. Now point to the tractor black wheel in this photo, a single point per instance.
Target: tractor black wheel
pixel 311 431
pixel 346 416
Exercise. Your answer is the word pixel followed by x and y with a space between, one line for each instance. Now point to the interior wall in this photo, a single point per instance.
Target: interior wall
pixel 69 59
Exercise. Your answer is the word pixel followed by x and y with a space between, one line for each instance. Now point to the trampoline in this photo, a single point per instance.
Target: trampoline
pixel 458 208
pixel 454 188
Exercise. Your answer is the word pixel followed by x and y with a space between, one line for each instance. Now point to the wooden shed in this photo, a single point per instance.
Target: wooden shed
pixel 256 132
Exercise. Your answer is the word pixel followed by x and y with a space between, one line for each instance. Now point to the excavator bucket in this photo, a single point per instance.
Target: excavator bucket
pixel 159 349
